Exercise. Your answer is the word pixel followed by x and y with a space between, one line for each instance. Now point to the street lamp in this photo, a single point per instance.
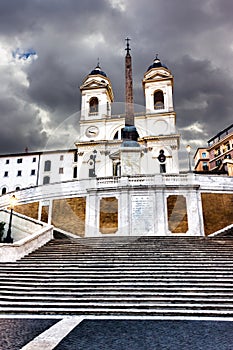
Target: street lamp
pixel 188 149
pixel 8 238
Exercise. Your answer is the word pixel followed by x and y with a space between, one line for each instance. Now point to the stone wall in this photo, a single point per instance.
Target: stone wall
pixel 69 215
pixel 217 211
pixel 45 213
pixel 108 215
pixel 29 209
pixel 177 214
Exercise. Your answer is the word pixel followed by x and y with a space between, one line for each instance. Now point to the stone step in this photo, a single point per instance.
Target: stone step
pixel 121 288
pixel 123 283
pixel 119 279
pixel 26 275
pixel 119 256
pixel 116 303
pixel 96 266
pixel 123 311
pixel 114 265
pixel 122 276
pixel 197 295
pixel 118 298
pixel 128 262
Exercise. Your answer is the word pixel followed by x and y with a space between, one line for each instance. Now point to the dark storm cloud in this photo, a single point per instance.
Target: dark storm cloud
pixel 192 38
pixel 203 96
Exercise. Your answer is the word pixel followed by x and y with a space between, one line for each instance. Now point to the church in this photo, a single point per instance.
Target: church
pixel 122 177
pixel 101 132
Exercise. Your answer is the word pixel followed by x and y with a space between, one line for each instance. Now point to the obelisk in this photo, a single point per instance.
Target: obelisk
pixel 130 148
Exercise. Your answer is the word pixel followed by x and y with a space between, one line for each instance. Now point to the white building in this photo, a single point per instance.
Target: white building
pixel 28 169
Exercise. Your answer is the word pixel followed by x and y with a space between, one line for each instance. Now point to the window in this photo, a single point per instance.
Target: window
pixel 61 157
pixel 19 173
pixel 162 168
pixel 227 146
pixel 205 166
pixel 20 160
pixel 75 172
pixel 203 154
pixel 17 188
pixel 47 165
pixel 6 174
pixel 4 190
pixel 118 135
pixel 116 169
pixel 34 160
pixel 217 152
pixel 75 156
pixel 227 156
pixel 93 105
pixel 7 161
pixel 218 162
pixel 46 180
pixel 158 100
pixel 61 170
pixel 33 172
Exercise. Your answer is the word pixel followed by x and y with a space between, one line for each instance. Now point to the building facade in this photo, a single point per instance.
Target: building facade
pixel 101 132
pixel 220 148
pixel 218 156
pixel 201 160
pixel 28 169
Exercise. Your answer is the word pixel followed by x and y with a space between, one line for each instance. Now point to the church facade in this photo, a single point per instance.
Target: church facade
pixel 101 131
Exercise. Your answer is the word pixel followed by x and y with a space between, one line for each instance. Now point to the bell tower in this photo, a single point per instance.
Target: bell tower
pixel 97 95
pixel 158 88
pixel 96 99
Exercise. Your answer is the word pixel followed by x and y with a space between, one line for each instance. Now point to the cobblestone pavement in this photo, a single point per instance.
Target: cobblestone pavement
pixel 15 333
pixel 149 335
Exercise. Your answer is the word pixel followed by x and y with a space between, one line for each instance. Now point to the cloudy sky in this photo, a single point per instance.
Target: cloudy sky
pixel 47 47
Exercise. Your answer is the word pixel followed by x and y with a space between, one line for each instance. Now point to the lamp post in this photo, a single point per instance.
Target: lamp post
pixel 8 238
pixel 188 149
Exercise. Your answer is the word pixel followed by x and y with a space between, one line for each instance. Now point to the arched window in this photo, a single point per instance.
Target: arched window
pixel 4 190
pixel 158 100
pixel 46 180
pixel 17 188
pixel 94 105
pixel 118 135
pixel 47 165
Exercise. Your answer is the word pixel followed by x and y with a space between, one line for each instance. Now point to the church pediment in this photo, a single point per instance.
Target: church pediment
pixel 157 75
pixel 93 84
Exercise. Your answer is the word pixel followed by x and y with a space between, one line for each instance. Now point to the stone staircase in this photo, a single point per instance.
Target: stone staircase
pixel 150 276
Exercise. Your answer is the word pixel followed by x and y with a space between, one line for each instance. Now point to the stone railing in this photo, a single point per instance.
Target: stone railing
pixel 28 235
pixel 74 188
pixel 147 180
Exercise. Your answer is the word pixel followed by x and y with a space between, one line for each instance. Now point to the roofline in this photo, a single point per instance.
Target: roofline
pixel 36 153
pixel 220 133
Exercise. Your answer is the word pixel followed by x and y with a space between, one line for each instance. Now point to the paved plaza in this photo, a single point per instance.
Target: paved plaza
pixel 116 334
